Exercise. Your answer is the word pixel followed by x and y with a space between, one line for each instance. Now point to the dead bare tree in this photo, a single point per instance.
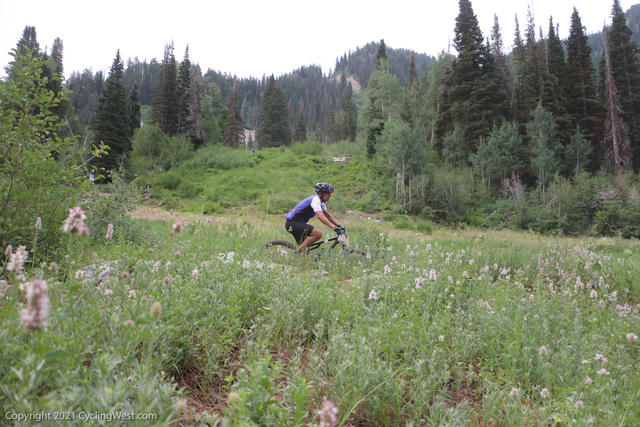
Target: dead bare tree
pixel 616 136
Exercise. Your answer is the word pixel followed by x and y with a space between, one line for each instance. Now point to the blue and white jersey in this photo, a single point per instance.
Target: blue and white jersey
pixel 306 209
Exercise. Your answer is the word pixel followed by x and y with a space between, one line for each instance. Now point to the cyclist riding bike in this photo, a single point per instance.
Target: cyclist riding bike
pixel 298 218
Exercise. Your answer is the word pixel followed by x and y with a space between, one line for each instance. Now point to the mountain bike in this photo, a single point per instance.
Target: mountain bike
pixel 336 242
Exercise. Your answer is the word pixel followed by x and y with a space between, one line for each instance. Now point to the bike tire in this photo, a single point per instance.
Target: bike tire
pixel 279 243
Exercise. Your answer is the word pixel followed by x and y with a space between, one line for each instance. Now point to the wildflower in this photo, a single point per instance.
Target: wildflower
pixel 129 322
pixel 579 404
pixel 594 294
pixel 180 406
pixel 585 362
pixel 601 358
pixel 387 269
pixel 603 372
pixel 176 227
pixel 8 251
pixel 132 293
pixel 177 253
pixel 156 309
pixel 79 274
pixel 428 247
pixel 432 275
pixel 328 415
pixel 368 256
pixel 75 222
pixel 204 264
pixel 395 316
pixel 209 219
pixel 17 259
pixel 545 393
pixel 53 266
pixel 38 225
pixel 108 292
pixel 144 298
pixel 441 338
pixel 632 337
pixel 166 280
pixel 109 234
pixel 125 275
pixel 246 263
pixel 35 315
pixel 195 273
pixel 514 392
pixel 542 351
pixel 373 295
pixel 588 381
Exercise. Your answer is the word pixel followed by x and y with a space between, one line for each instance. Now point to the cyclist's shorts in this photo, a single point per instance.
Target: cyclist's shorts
pixel 300 230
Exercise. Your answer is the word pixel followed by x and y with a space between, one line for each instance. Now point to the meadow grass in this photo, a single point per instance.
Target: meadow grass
pixel 449 327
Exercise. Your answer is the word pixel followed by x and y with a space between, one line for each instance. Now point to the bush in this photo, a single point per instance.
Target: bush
pixel 169 180
pixel 152 148
pixel 219 157
pixel 307 148
pixel 37 177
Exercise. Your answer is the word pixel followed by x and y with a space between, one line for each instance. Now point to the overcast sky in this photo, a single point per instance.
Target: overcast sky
pixel 256 37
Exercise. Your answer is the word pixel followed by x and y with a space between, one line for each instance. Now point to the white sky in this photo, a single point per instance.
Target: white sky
pixel 256 37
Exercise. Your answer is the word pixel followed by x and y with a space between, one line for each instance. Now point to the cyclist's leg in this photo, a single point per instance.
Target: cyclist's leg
pixel 313 235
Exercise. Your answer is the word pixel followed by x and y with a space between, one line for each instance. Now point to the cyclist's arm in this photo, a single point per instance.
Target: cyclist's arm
pixel 330 218
pixel 324 218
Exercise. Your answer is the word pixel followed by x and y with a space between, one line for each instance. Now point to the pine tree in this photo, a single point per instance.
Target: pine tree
pixel 112 125
pixel 274 130
pixel 234 128
pixel 616 138
pixel 195 121
pixel 300 133
pixel 582 104
pixel 382 64
pixel 625 70
pixel 184 93
pixel 350 115
pixel 165 102
pixel 475 92
pixel 501 64
pixel 519 105
pixel 553 97
pixel 134 108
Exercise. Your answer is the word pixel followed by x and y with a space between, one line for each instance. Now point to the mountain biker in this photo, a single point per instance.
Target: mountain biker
pixel 297 219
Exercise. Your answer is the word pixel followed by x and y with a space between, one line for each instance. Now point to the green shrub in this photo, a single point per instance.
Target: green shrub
pixel 169 180
pixel 152 148
pixel 307 148
pixel 188 188
pixel 211 207
pixel 220 157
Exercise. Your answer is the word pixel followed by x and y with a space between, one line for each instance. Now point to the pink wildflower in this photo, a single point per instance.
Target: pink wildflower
pixel 108 292
pixel 75 222
pixel 109 234
pixel 588 381
pixel 579 404
pixel 373 295
pixel 176 227
pixel 432 275
pixel 545 393
pixel 328 415
pixel 53 266
pixel 542 351
pixel 166 280
pixel 632 337
pixel 177 253
pixel 125 275
pixel 38 225
pixel 35 315
pixel 195 273
pixel 8 251
pixel 129 322
pixel 441 338
pixel 132 293
pixel 17 259
pixel 180 406
pixel 603 372
pixel 514 392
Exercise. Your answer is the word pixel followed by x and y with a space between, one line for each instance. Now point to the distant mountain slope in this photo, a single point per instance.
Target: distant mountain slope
pixel 362 63
pixel 633 21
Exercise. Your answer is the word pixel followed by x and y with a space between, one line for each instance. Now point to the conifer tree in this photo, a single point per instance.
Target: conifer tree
pixel 234 127
pixel 134 108
pixel 544 148
pixel 412 71
pixel 274 130
pixel 501 63
pixel 165 102
pixel 616 137
pixel 475 92
pixel 300 132
pixel 184 101
pixel 113 123
pixel 195 121
pixel 382 64
pixel 582 104
pixel 350 114
pixel 553 72
pixel 519 110
pixel 625 71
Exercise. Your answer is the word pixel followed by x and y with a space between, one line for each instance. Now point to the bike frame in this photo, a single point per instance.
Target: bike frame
pixel 316 245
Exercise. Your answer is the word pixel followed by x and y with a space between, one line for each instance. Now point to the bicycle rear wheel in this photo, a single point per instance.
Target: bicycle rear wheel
pixel 284 243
